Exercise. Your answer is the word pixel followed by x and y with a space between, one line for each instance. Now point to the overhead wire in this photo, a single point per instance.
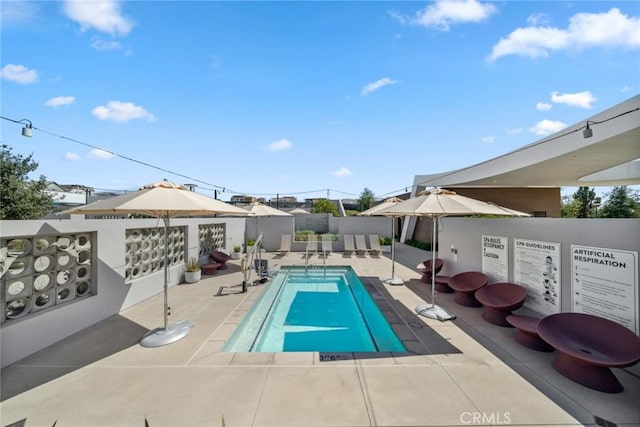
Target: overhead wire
pixel 209 185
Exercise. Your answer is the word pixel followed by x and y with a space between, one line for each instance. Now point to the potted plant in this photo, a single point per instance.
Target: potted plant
pixel 236 252
pixel 250 243
pixel 385 244
pixel 192 271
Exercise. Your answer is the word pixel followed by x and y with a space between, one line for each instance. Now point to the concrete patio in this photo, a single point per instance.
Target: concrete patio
pixel 470 373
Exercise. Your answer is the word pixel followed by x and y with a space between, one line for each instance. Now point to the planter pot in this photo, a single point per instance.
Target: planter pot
pixel 386 248
pixel 235 255
pixel 192 276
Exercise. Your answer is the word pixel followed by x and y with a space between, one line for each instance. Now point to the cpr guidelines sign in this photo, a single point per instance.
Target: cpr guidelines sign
pixel 536 266
pixel 605 284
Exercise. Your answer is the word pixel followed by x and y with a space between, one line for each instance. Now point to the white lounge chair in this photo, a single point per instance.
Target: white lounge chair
pixel 285 244
pixel 312 244
pixel 349 247
pixel 361 245
pixel 327 244
pixel 374 244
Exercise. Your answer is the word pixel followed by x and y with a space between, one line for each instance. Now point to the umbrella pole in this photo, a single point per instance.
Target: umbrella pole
pixel 166 334
pixel 433 261
pixel 393 280
pixel 166 271
pixel 433 311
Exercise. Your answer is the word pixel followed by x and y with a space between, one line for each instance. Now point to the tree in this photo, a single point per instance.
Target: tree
pixel 324 206
pixel 584 198
pixel 569 207
pixel 621 202
pixel 366 198
pixel 20 197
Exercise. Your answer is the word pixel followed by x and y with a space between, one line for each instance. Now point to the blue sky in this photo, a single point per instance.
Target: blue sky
pixel 294 98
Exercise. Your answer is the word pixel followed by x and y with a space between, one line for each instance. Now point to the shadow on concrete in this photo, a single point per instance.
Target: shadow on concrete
pixel 101 340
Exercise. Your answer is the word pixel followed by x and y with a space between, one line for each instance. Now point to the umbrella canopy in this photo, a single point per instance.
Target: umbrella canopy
pixel 375 210
pixel 438 203
pixel 161 200
pixel 260 209
pixel 299 211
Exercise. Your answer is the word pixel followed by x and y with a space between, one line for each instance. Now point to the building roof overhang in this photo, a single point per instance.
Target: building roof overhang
pixel 611 156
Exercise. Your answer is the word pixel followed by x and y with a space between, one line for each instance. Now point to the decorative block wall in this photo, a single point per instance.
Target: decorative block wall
pixel 145 249
pixel 41 272
pixel 212 236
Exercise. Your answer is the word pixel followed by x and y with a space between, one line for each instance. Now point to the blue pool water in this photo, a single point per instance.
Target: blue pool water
pixel 314 310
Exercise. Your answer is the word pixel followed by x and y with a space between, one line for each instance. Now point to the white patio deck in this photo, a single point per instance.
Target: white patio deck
pixel 102 377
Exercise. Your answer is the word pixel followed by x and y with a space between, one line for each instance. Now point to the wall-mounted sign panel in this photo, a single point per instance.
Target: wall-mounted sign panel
pixel 536 266
pixel 605 283
pixel 495 258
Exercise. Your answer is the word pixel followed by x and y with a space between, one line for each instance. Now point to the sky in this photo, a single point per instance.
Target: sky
pixel 305 98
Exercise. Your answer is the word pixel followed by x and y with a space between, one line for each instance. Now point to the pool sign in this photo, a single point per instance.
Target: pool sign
pixel 495 258
pixel 537 268
pixel 604 283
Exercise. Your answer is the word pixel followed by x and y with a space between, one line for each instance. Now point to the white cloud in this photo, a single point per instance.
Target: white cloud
pixel 342 172
pixel 282 144
pixel 18 12
pixel 102 45
pixel 537 19
pixel 59 101
pixel 372 87
pixel 71 156
pixel 514 131
pixel 444 13
pixel 97 153
pixel 585 30
pixel 547 127
pixel 19 74
pixel 580 99
pixel 104 16
pixel 626 89
pixel 488 139
pixel 541 106
pixel 118 111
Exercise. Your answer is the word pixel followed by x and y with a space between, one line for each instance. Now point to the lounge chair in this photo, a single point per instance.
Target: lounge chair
pixel 374 244
pixel 312 244
pixel 327 244
pixel 285 244
pixel 361 245
pixel 349 247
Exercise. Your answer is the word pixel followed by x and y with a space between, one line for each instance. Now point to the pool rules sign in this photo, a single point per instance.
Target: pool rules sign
pixel 604 283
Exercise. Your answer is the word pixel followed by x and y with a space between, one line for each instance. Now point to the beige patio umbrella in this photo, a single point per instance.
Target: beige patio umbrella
pixel 435 204
pixel 260 209
pixel 299 211
pixel 378 210
pixel 164 200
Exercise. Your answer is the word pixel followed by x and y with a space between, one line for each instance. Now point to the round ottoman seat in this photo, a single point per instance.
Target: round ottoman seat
pixel 527 334
pixel 220 258
pixel 499 300
pixel 211 268
pixel 588 346
pixel 466 284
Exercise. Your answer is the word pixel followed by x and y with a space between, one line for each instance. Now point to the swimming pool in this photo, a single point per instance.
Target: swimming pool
pixel 324 310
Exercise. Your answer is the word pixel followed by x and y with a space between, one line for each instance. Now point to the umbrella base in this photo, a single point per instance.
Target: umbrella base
pixel 394 281
pixel 434 312
pixel 163 336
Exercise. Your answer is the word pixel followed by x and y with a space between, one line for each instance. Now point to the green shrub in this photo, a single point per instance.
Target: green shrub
pixel 384 241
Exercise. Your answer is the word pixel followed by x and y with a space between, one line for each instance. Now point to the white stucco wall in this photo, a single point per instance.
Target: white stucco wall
pixel 22 337
pixel 465 234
